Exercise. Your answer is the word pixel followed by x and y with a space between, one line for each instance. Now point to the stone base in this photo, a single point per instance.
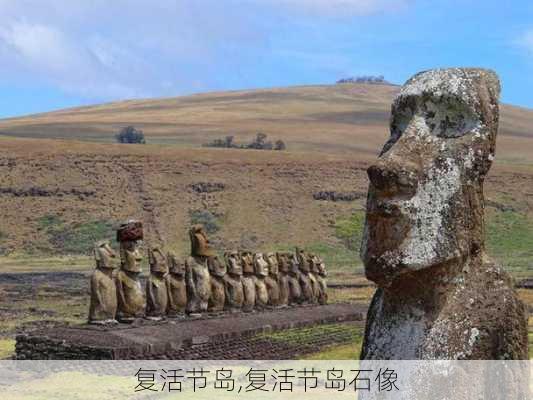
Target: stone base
pixel 232 336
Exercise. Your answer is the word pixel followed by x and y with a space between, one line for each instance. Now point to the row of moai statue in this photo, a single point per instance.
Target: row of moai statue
pixel 243 281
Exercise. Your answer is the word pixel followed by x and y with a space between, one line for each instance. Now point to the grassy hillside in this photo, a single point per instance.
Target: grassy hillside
pixel 58 196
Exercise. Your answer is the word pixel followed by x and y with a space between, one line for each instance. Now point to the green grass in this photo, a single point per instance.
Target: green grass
pixel 350 230
pixel 7 348
pixel 350 351
pixel 295 336
pixel 530 345
pixel 74 238
pixel 510 241
pixel 207 219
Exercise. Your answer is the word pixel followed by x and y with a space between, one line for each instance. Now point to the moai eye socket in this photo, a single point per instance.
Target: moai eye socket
pixel 448 118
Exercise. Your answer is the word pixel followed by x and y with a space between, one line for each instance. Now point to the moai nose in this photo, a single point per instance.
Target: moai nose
pixel 392 177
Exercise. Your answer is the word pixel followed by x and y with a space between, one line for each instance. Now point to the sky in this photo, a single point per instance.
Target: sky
pixel 64 53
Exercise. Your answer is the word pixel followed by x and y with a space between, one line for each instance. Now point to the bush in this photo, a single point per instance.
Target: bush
pixel 205 218
pixel 259 143
pixel 280 145
pixel 130 135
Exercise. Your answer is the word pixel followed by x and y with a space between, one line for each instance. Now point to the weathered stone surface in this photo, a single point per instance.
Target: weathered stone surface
pixel 272 280
pixel 217 270
pixel 103 306
pixel 305 278
pixel 231 336
pixel 157 285
pixel 318 278
pixel 197 271
pixel 248 281
pixel 130 296
pixel 261 272
pixel 439 296
pixel 177 289
pixel 293 278
pixel 232 281
pixel 284 289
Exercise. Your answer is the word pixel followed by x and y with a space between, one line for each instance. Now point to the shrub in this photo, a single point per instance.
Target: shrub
pixel 130 135
pixel 205 218
pixel 280 145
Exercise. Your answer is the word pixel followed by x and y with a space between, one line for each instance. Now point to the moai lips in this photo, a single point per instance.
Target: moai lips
pixel 439 295
pixel 103 306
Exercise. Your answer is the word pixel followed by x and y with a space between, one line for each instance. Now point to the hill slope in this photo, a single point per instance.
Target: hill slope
pixel 344 119
pixel 58 196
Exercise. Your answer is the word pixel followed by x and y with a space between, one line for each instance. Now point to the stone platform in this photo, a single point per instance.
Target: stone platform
pixel 227 336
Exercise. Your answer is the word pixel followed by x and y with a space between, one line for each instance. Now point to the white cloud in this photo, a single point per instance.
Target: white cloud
pixel 525 41
pixel 105 50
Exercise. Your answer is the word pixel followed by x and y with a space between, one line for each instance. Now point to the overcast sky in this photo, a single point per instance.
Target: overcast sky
pixel 60 53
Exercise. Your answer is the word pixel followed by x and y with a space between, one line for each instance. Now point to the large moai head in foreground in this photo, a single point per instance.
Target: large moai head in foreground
pixel 425 200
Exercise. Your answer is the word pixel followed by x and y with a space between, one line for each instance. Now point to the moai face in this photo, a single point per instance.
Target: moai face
pixel 260 265
pixel 320 266
pixel 233 262
pixel 105 256
pixel 312 260
pixel 216 267
pixel 131 256
pixel 302 260
pixel 247 260
pixel 272 264
pixel 199 243
pixel 425 199
pixel 294 265
pixel 158 261
pixel 176 266
pixel 283 262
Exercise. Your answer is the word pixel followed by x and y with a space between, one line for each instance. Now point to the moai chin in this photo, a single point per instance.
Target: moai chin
pixel 103 306
pixel 261 272
pixel 177 289
pixel 131 302
pixel 272 280
pixel 232 281
pixel 439 296
pixel 217 270
pixel 283 280
pixel 293 277
pixel 197 272
pixel 248 280
pixel 157 285
pixel 305 278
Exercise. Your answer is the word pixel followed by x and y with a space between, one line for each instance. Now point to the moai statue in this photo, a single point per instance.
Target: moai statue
pixel 308 293
pixel 261 272
pixel 177 288
pixel 313 260
pixel 439 295
pixel 232 281
pixel 131 302
pixel 321 274
pixel 272 280
pixel 217 269
pixel 103 307
pixel 248 281
pixel 157 285
pixel 284 289
pixel 197 272
pixel 295 290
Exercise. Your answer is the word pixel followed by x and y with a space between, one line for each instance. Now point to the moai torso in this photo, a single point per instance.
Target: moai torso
pixel 293 278
pixel 197 272
pixel 283 279
pixel 218 295
pixel 261 272
pixel 439 296
pixel 131 301
pixel 321 275
pixel 248 281
pixel 177 289
pixel 272 280
pixel 306 283
pixel 103 306
pixel 232 281
pixel 157 285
